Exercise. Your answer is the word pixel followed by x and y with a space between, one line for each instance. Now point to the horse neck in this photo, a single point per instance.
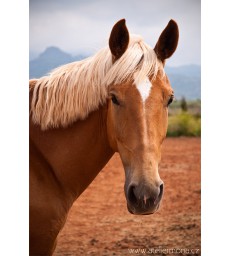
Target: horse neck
pixel 75 154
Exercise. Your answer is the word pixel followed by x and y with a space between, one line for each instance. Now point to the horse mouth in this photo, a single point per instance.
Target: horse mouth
pixel 142 211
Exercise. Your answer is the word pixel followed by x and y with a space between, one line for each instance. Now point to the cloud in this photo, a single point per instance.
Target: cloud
pixel 84 26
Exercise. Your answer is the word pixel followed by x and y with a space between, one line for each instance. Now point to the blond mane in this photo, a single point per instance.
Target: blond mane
pixel 72 91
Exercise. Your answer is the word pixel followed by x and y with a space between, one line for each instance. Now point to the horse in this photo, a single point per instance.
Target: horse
pixel 82 113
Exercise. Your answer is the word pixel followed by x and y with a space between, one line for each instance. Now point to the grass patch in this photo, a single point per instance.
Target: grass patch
pixel 184 124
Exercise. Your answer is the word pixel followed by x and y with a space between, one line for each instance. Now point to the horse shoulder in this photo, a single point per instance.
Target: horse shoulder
pixel 48 208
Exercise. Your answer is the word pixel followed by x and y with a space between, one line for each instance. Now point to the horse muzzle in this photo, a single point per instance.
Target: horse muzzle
pixel 144 199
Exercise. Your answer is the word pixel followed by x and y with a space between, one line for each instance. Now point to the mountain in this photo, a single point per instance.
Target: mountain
pixel 32 55
pixel 189 70
pixel 51 58
pixel 185 80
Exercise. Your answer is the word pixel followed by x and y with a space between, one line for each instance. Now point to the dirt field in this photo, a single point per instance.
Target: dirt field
pixel 99 223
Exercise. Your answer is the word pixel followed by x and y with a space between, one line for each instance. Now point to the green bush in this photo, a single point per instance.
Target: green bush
pixel 184 124
pixel 193 107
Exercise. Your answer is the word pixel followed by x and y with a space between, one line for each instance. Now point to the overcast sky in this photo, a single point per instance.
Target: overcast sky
pixel 83 26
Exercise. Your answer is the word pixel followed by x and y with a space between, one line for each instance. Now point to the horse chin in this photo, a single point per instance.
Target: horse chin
pixel 135 211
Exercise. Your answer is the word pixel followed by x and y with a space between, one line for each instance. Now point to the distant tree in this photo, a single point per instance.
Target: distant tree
pixel 183 105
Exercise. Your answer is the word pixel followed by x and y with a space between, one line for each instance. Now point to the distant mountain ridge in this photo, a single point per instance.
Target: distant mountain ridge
pixel 51 58
pixel 185 80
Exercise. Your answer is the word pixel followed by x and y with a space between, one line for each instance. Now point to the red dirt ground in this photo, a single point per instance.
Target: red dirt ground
pixel 99 223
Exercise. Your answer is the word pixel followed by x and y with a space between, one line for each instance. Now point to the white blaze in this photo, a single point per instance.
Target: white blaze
pixel 144 88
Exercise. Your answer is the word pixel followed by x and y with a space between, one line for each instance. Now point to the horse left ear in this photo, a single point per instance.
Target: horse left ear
pixel 119 39
pixel 167 42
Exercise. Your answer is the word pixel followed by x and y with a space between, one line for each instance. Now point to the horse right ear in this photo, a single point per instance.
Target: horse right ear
pixel 167 42
pixel 119 39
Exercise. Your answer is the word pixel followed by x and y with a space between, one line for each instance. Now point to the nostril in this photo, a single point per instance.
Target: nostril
pixel 131 195
pixel 161 188
pixel 161 192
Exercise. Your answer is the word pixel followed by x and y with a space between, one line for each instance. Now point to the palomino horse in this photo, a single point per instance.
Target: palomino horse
pixel 83 112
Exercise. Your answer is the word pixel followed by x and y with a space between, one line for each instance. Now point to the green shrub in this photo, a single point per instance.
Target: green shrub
pixel 184 124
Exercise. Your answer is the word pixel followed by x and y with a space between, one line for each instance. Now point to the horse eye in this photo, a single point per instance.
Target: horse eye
pixel 114 100
pixel 170 100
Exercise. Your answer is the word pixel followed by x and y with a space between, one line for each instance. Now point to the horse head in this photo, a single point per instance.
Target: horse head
pixel 138 111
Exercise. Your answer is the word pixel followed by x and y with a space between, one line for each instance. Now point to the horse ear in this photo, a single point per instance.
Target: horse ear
pixel 167 42
pixel 119 39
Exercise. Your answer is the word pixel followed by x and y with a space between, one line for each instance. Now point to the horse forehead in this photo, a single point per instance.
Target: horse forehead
pixel 144 88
